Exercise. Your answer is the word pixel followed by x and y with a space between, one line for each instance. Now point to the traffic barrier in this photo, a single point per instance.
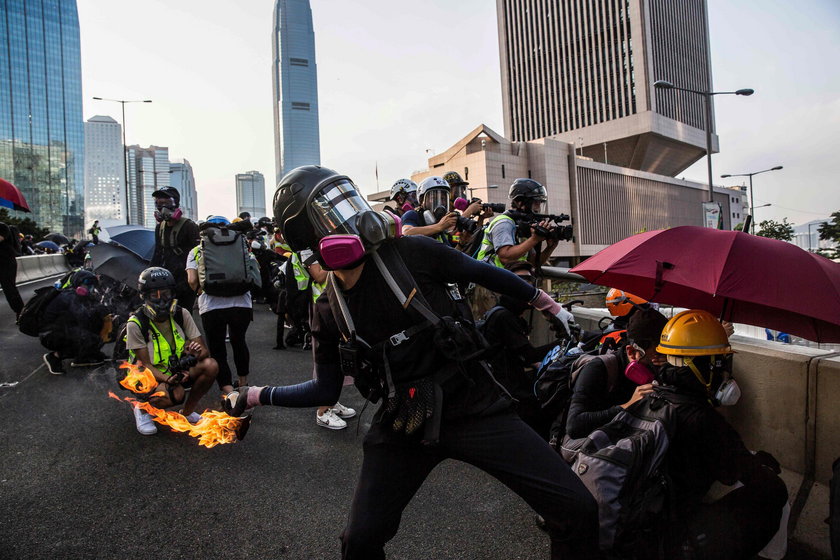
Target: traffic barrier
pixel 36 267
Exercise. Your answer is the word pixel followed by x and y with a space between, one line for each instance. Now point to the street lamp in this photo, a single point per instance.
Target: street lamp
pixel 752 202
pixel 125 148
pixel 707 96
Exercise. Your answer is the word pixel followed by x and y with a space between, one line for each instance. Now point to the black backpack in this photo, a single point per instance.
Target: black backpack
pixel 31 316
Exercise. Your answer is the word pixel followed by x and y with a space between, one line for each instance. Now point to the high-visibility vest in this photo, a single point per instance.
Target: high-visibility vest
pixel 487 252
pixel 162 348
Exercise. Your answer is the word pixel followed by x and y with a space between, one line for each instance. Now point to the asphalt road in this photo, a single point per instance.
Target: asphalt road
pixel 78 481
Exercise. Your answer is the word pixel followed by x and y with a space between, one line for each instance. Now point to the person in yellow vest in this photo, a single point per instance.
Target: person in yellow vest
pixel 165 339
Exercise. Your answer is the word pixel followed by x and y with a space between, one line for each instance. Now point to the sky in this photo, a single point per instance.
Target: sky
pixel 399 81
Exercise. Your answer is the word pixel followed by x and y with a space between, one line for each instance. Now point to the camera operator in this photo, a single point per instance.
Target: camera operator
pixel 163 337
pixel 434 218
pixel 501 244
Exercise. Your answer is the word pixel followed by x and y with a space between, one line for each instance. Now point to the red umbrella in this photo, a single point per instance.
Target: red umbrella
pixel 11 197
pixel 739 277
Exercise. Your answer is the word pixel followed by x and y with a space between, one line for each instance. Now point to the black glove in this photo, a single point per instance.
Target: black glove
pixel 768 461
pixel 411 406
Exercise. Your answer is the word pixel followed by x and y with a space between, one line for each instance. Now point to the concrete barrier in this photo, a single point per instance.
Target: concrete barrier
pixel 36 267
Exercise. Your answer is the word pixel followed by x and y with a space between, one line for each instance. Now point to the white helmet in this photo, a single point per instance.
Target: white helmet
pixel 406 186
pixel 431 183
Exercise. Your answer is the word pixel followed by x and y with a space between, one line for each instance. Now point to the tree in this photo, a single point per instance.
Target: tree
pixel 26 226
pixel 830 231
pixel 739 227
pixel 776 230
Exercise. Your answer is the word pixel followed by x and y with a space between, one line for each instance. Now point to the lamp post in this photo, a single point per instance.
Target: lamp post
pixel 752 200
pixel 122 102
pixel 707 97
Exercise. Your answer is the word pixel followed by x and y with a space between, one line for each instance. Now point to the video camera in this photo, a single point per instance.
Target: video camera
pixel 183 364
pixel 525 221
pixel 469 225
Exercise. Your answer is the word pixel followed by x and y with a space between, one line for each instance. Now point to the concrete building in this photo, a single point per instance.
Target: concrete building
pixel 181 177
pixel 104 172
pixel 148 171
pixel 42 139
pixel 607 203
pixel 807 236
pixel 295 84
pixel 250 194
pixel 739 205
pixel 583 73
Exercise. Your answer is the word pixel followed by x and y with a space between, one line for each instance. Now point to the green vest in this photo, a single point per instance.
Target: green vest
pixel 487 252
pixel 163 350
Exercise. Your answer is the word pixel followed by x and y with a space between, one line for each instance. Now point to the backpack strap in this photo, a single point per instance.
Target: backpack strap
pixel 170 241
pixel 415 297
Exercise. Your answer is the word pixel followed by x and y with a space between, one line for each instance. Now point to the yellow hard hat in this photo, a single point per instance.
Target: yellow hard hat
pixel 233 221
pixel 693 333
pixel 620 303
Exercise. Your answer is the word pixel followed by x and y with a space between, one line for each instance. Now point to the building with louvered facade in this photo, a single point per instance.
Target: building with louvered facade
pixel 583 73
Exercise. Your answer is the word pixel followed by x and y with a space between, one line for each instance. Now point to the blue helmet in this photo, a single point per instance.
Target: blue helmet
pixel 219 220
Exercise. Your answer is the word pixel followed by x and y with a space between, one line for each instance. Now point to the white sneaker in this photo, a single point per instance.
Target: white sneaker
pixel 343 411
pixel 330 420
pixel 145 424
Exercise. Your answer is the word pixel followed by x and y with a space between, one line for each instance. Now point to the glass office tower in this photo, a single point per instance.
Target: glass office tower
pixel 295 84
pixel 41 128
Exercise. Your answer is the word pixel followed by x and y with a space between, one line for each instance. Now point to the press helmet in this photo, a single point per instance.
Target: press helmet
pixel 621 303
pixel 432 183
pixel 405 186
pixel 155 278
pixel 527 188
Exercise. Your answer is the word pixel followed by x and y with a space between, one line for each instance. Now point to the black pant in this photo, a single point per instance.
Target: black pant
pixel 217 324
pixel 75 343
pixel 8 276
pixel 736 527
pixel 186 296
pixel 501 445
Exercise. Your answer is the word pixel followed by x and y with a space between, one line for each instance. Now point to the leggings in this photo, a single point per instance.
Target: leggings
pixel 217 324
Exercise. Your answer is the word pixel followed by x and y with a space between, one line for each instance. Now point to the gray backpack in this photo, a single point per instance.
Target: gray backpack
pixel 621 464
pixel 225 266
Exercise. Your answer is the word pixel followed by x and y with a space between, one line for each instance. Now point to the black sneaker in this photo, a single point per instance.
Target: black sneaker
pixel 236 402
pixel 54 363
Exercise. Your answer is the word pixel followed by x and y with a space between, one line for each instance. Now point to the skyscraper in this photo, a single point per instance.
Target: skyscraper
pixel 148 171
pixel 104 190
pixel 583 72
pixel 250 194
pixel 181 177
pixel 41 127
pixel 295 84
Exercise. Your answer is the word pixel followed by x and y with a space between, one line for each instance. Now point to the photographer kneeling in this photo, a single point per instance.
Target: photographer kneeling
pixel 164 338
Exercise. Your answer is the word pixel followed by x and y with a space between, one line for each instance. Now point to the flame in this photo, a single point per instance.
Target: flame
pixel 214 428
pixel 138 379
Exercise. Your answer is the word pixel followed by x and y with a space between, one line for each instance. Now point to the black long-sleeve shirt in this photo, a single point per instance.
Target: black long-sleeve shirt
pixel 592 404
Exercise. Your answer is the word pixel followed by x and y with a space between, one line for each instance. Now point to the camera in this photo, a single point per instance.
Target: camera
pixel 525 221
pixel 496 207
pixel 182 364
pixel 465 224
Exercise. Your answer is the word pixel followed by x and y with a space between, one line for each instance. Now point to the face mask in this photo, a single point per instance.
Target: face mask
pixel 341 251
pixel 167 213
pixel 82 291
pixel 161 309
pixel 728 393
pixel 460 204
pixel 638 373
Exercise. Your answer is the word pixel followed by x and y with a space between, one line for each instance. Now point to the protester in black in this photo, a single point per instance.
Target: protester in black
pixel 9 251
pixel 476 425
pixel 514 357
pixel 705 448
pixel 175 236
pixel 72 323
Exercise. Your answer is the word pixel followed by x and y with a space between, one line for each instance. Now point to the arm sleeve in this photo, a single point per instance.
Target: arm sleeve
pixel 324 390
pixel 586 409
pixel 454 266
pixel 189 235
pixel 411 218
pixel 191 331
pixel 191 262
pixel 504 234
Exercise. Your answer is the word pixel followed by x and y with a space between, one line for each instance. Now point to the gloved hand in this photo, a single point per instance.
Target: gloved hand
pixel 553 310
pixel 411 406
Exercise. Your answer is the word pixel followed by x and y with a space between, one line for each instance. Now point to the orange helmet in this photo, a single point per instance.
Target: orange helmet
pixel 620 303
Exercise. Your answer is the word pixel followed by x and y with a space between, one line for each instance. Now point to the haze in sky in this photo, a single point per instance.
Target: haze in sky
pixel 400 81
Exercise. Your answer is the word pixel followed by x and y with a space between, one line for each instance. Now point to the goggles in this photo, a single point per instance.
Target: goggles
pixel 164 294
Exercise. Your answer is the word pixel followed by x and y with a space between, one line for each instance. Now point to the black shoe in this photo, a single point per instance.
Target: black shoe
pixel 236 402
pixel 54 364
pixel 91 361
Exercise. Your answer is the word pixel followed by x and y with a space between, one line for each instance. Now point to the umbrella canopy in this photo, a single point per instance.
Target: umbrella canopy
pixel 739 277
pixel 117 262
pixel 11 197
pixel 137 239
pixel 48 245
pixel 57 238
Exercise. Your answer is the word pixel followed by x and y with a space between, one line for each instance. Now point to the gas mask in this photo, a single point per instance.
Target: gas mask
pixel 639 373
pixel 160 304
pixel 164 212
pixel 435 205
pixel 728 392
pixel 82 291
pixel 340 251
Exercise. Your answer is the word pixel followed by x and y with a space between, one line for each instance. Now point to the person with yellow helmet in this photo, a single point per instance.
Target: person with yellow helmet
pixel 705 448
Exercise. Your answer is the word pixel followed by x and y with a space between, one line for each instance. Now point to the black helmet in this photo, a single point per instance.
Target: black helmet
pixel 83 277
pixel 527 188
pixel 312 202
pixel 454 179
pixel 265 221
pixel 155 278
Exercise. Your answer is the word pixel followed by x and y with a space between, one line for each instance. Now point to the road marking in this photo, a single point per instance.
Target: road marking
pixel 24 379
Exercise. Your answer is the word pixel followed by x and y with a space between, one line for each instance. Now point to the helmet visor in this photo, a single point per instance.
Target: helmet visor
pixel 436 198
pixel 459 191
pixel 335 207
